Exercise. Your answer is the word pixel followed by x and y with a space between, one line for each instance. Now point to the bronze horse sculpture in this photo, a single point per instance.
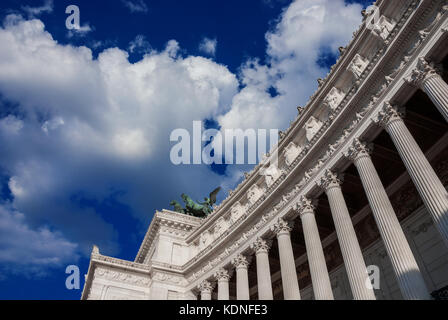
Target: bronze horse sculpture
pixel 196 209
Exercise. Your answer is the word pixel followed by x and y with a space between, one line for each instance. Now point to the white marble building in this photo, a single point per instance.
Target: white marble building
pixel 363 177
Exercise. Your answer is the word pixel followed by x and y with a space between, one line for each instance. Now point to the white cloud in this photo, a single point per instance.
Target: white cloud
pixel 136 5
pixel 32 12
pixel 305 29
pixel 80 32
pixel 52 124
pixel 10 125
pixel 98 125
pixel 139 44
pixel 31 252
pixel 208 46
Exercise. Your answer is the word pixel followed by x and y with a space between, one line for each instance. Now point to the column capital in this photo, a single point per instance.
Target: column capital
pixel 304 206
pixel 222 275
pixel 261 245
pixel 330 180
pixel 282 227
pixel 424 71
pixel 206 286
pixel 389 114
pixel 241 261
pixel 358 150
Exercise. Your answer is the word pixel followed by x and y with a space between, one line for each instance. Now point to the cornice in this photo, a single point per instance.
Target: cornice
pixel 178 223
pixel 332 122
pixel 98 260
pixel 359 119
pixel 314 103
pixel 401 36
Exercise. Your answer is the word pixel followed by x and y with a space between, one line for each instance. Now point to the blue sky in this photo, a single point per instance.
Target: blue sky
pixel 85 116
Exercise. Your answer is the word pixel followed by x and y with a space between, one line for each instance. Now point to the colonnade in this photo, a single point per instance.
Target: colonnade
pixel 408 275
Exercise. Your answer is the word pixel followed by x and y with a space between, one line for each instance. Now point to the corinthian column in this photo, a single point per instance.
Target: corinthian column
pixel 241 264
pixel 428 78
pixel 351 251
pixel 316 259
pixel 223 277
pixel 428 184
pixel 264 283
pixel 290 283
pixel 403 262
pixel 206 288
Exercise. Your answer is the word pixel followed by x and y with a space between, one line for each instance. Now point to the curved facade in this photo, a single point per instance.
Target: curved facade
pixel 359 207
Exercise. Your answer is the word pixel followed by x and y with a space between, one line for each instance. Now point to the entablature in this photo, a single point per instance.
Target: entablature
pixel 334 120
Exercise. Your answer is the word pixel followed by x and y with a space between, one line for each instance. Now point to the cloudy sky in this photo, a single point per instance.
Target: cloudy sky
pixel 86 115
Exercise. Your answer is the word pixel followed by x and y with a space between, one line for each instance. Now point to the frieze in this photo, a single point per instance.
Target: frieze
pixel 333 147
pixel 331 150
pixel 124 277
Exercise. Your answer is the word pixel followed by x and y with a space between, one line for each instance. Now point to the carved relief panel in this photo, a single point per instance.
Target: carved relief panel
pixel 334 98
pixel 237 211
pixel 383 28
pixel 312 126
pixel 358 65
pixel 221 226
pixel 254 193
pixel 271 173
pixel 291 152
pixel 205 239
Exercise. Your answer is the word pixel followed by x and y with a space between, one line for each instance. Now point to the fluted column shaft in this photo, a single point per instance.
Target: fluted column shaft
pixel 428 184
pixel 290 282
pixel 437 90
pixel 405 267
pixel 223 290
pixel 316 259
pixel 241 264
pixel 264 283
pixel 351 251
pixel 223 277
pixel 427 77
